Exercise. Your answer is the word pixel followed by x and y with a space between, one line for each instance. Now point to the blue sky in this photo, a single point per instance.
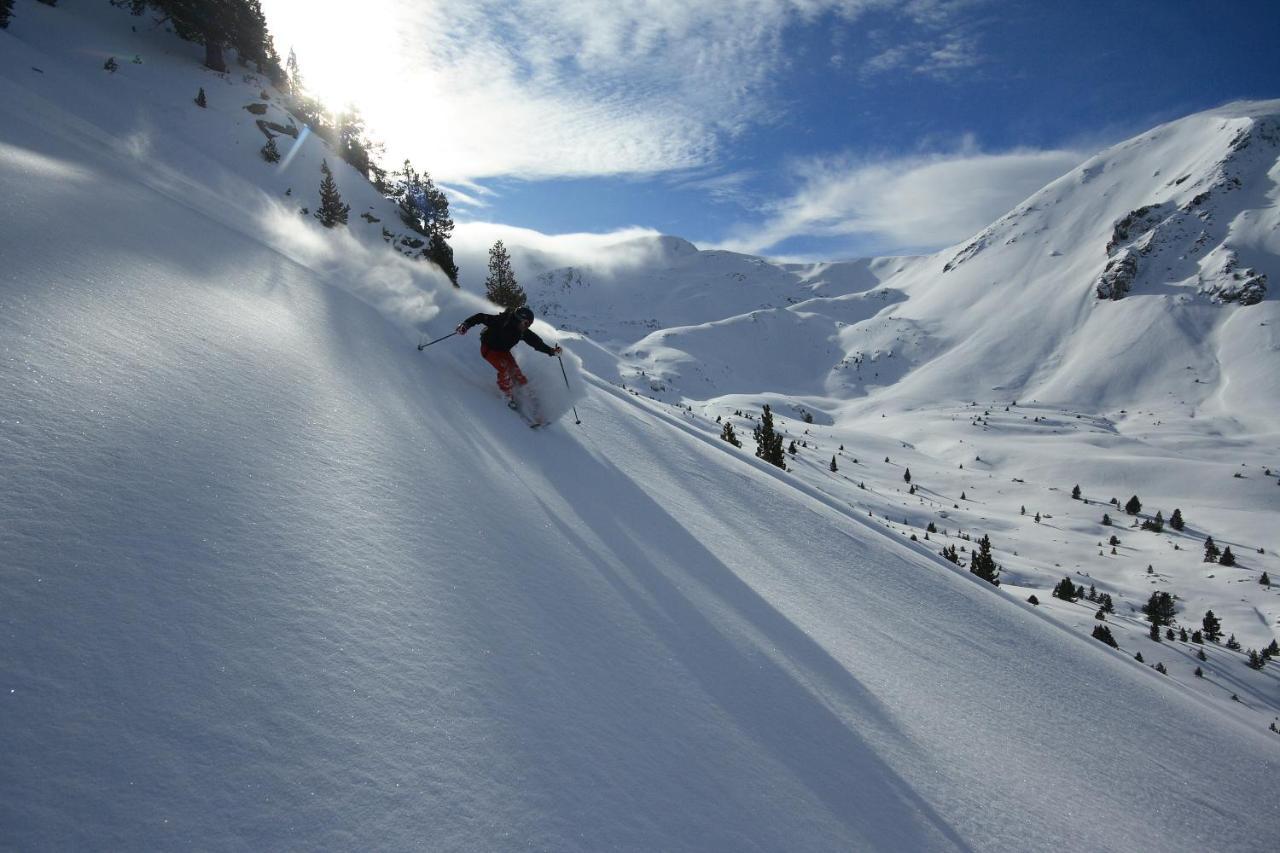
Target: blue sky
pixel 791 128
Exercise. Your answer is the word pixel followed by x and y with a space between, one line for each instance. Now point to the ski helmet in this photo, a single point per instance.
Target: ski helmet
pixel 524 313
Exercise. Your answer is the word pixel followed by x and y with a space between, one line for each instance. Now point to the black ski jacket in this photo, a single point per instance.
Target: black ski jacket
pixel 502 332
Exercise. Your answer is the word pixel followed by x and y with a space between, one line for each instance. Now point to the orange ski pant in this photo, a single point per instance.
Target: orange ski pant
pixel 508 371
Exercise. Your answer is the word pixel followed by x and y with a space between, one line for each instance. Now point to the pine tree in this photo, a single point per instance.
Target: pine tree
pixel 983 564
pixel 1211 551
pixel 1154 524
pixel 1265 580
pixel 1103 633
pixel 1106 520
pixel 1199 672
pixel 1066 590
pixel 1160 609
pixel 1233 643
pixel 501 286
pixel 769 442
pixel 1227 558
pixel 1075 492
pixel 269 151
pixel 834 467
pixel 1255 660
pixel 950 555
pixel 6 13
pixel 1175 520
pixel 1212 627
pixel 1107 605
pixel 350 138
pixel 729 435
pixel 236 24
pixel 1154 633
pixel 1138 658
pixel 111 65
pixel 332 211
pixel 907 475
pixel 1197 637
pixel 791 448
pixel 440 253
pixel 1200 653
pixel 1134 506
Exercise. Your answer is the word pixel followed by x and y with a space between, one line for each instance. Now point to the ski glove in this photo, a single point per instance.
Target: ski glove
pixel 555 350
pixel 462 328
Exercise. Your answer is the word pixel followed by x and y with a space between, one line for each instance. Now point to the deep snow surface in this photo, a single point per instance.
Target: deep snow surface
pixel 273 579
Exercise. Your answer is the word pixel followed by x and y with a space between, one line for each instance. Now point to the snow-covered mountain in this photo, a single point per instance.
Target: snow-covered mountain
pixel 1181 222
pixel 271 578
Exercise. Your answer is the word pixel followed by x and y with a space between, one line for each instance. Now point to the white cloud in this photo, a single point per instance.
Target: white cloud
pixel 918 202
pixel 562 88
pixel 533 252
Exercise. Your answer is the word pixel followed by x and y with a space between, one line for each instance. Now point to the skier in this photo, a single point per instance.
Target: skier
pixel 501 333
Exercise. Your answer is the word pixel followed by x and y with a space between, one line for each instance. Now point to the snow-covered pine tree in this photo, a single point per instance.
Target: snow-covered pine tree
pixel 983 564
pixel 1175 520
pixel 769 442
pixel 269 152
pixel 729 435
pixel 332 211
pixel 501 286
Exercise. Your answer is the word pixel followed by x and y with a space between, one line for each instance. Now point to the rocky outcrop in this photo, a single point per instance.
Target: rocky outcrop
pixel 1118 277
pixel 1182 241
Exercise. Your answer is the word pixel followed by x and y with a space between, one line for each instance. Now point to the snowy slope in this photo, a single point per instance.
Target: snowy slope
pixel 272 579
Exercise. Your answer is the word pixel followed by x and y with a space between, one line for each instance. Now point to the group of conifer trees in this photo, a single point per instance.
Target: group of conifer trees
pixel 219 25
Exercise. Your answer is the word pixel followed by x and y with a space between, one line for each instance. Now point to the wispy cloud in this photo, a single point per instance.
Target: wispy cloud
pixel 895 204
pixel 569 88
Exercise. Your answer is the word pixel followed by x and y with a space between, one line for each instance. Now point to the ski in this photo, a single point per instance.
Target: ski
pixel 534 423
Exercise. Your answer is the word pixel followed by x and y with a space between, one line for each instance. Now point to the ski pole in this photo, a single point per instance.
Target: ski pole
pixel 576 419
pixel 421 347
